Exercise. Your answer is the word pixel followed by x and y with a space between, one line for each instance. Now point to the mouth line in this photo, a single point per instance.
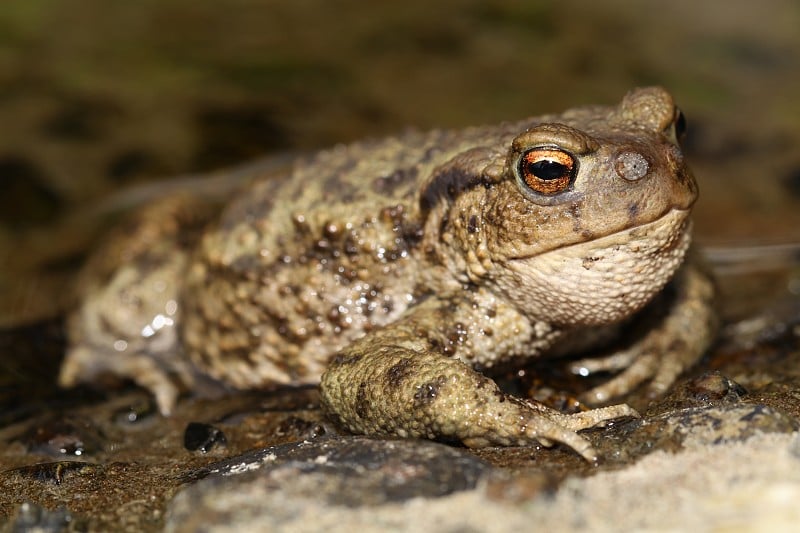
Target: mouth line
pixel 682 224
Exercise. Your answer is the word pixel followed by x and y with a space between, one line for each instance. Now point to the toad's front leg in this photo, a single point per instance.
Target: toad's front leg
pixel 393 383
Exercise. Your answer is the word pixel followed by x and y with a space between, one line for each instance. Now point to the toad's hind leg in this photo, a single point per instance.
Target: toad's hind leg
pixel 397 390
pixel 127 322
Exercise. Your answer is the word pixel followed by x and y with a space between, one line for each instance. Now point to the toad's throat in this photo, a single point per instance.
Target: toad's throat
pixel 603 280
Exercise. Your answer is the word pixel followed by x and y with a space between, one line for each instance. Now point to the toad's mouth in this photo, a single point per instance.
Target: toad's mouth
pixel 673 222
pixel 606 279
pixel 656 236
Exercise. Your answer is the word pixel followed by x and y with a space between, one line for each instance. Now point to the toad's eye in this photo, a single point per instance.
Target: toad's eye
pixel 547 171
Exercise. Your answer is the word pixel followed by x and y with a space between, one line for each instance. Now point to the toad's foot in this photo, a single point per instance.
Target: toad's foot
pixel 674 345
pixel 83 365
pixel 393 390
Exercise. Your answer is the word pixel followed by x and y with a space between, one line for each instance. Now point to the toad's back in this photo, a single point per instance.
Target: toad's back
pixel 299 267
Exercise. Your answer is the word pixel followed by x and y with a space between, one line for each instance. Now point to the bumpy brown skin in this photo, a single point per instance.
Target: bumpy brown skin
pixel 392 269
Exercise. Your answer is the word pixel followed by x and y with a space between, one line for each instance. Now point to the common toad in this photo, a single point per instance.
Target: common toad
pixel 397 272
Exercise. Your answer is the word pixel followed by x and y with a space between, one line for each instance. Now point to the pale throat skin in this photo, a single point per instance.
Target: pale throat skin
pixel 389 271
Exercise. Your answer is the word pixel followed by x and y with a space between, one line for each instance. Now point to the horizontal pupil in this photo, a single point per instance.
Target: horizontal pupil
pixel 547 170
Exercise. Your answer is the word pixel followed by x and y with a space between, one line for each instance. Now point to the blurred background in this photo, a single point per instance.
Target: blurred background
pixel 98 96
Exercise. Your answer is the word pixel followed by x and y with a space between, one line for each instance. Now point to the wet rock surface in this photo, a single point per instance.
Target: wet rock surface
pixel 362 470
pixel 284 481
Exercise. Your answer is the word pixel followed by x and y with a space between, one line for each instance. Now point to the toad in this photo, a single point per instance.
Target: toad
pixel 399 274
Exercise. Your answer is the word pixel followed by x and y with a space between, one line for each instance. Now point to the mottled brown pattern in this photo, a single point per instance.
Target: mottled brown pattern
pixel 398 372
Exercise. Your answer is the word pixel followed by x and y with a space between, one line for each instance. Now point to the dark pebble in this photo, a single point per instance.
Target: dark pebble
pixel 202 437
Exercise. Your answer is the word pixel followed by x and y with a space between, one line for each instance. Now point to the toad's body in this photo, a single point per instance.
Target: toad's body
pixel 392 269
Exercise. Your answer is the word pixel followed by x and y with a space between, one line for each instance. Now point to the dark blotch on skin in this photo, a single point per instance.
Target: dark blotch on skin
pixel 482 382
pixel 412 232
pixel 588 262
pixel 255 206
pixel 456 336
pixel 450 180
pixel 344 190
pixel 472 224
pixel 757 412
pixel 362 401
pixel 427 392
pixel 443 226
pixel 246 265
pixel 345 359
pixel 575 213
pixel 399 372
pixel 678 346
pixel 387 184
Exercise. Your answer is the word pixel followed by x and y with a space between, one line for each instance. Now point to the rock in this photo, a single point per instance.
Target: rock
pixel 281 481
